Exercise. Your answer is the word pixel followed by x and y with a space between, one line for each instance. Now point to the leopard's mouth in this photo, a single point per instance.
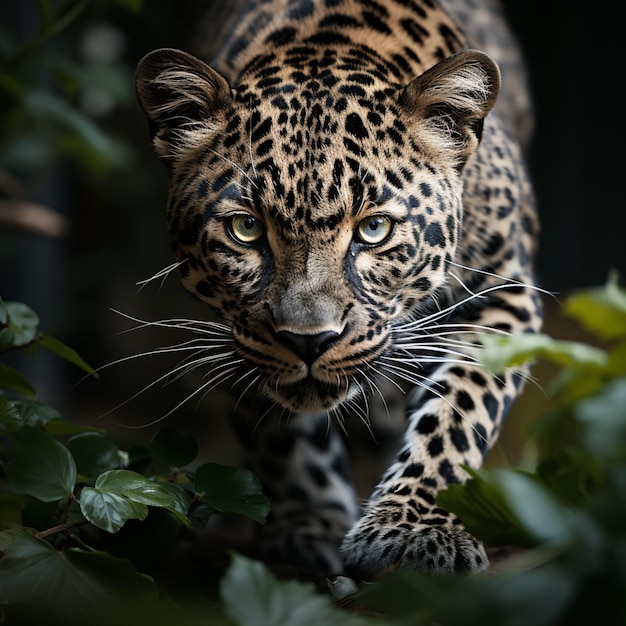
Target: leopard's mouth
pixel 310 395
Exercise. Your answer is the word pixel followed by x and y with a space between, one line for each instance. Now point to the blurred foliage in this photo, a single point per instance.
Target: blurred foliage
pixel 53 90
pixel 566 514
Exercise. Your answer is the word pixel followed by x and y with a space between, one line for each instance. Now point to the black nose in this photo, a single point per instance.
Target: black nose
pixel 307 347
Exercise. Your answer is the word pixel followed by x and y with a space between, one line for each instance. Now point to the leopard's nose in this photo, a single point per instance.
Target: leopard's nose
pixel 307 347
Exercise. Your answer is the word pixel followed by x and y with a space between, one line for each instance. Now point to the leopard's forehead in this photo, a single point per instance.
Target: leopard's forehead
pixel 318 145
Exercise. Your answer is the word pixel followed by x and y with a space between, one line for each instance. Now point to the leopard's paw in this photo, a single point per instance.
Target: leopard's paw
pixel 371 549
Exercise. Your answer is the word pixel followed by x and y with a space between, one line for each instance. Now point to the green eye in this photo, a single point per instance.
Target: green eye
pixel 245 228
pixel 373 230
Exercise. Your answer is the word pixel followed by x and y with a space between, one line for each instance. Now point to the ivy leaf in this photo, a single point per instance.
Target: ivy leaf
pixel 21 321
pixel 603 418
pixel 179 498
pixel 231 490
pixel 34 414
pixel 537 510
pixel 136 489
pixel 42 585
pixel 601 310
pixel 11 512
pixel 10 420
pixel 43 468
pixel 108 510
pixel 500 353
pixel 174 448
pixel 67 353
pixel 94 453
pixel 484 510
pixel 12 379
pixel 269 602
pixel 507 507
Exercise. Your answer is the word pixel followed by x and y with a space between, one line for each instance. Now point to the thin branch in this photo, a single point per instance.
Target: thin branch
pixel 61 528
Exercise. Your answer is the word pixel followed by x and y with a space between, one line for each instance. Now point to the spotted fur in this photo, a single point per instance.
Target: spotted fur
pixel 341 194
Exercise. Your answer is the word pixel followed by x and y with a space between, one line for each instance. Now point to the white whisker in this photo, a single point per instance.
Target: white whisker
pixel 208 327
pixel 509 281
pixel 161 274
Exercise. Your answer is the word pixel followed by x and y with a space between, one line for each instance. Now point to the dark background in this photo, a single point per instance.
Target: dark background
pixel 117 234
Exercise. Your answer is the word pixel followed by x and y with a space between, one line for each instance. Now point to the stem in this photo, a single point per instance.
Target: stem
pixel 61 528
pixel 66 511
pixel 34 341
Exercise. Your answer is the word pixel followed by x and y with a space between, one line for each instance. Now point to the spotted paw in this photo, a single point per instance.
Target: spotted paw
pixel 370 550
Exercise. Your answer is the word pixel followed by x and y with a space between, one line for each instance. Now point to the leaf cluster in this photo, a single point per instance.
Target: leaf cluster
pixel 66 488
pixel 566 515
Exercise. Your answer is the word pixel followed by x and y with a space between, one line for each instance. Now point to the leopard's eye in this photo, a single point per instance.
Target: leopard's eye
pixel 374 230
pixel 245 228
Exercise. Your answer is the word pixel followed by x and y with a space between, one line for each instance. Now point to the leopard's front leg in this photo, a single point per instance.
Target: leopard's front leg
pixel 303 467
pixel 454 422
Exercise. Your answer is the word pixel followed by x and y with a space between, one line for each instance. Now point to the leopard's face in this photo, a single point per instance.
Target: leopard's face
pixel 314 224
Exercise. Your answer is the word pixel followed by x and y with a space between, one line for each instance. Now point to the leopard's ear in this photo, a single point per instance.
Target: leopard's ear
pixel 182 98
pixel 448 103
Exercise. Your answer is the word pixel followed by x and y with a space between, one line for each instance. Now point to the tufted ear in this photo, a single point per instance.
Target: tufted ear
pixel 181 97
pixel 450 101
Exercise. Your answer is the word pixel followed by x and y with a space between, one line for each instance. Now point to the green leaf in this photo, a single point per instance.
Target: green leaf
pixel 484 510
pixel 108 510
pixel 67 353
pixel 12 379
pixel 603 418
pixel 179 498
pixel 11 507
pixel 34 413
pixel 543 517
pixel 42 585
pixel 40 515
pixel 602 310
pixel 231 490
pixel 60 427
pixel 508 507
pixel 22 321
pixel 253 597
pixel 617 359
pixel 569 475
pixel 500 353
pixel 174 448
pixel 7 339
pixel 43 468
pixel 10 420
pixel 135 487
pixel 93 453
pixel 141 490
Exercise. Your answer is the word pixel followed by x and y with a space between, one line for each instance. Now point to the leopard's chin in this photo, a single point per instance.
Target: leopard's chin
pixel 311 395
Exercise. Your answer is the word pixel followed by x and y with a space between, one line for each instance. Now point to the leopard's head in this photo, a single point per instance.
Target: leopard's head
pixel 314 209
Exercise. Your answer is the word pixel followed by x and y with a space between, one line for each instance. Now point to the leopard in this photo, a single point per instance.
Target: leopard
pixel 348 201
